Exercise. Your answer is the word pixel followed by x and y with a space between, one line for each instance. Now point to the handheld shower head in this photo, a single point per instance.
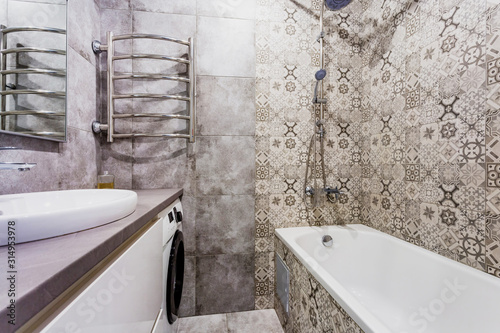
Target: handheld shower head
pixel 336 4
pixel 320 75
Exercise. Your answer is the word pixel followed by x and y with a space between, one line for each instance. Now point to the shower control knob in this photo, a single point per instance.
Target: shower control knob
pixel 309 191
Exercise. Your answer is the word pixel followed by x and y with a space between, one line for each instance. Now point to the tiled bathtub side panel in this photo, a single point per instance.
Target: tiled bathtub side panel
pixel 312 309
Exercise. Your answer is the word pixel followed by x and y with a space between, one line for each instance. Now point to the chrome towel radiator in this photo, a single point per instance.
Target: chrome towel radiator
pixel 112 76
pixel 12 89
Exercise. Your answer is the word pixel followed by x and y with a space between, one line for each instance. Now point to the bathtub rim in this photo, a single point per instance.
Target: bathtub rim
pixel 364 318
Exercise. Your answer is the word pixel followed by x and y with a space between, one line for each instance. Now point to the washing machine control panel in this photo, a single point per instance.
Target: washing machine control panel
pixel 170 217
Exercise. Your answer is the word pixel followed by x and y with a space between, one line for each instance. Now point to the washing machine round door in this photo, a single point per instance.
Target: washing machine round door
pixel 175 277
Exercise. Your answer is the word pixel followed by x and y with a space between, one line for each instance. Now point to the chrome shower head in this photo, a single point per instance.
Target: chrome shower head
pixel 320 75
pixel 336 4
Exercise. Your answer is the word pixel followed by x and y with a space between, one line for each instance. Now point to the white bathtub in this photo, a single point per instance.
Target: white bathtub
pixel 388 285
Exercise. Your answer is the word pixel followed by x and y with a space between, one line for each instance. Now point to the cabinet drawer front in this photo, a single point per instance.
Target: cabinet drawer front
pixel 125 298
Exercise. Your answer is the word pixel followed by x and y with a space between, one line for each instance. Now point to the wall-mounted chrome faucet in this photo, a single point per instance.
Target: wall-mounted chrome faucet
pixel 310 192
pixel 329 191
pixel 13 165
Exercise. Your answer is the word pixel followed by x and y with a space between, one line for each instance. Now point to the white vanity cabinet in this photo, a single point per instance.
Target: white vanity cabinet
pixel 125 297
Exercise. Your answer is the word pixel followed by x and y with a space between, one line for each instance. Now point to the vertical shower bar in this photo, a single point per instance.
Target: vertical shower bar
pixel 320 124
pixel 111 86
pixel 192 91
pixel 322 64
pixel 321 95
pixel 3 66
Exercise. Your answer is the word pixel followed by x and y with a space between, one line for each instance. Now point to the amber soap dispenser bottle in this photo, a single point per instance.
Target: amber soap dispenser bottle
pixel 105 180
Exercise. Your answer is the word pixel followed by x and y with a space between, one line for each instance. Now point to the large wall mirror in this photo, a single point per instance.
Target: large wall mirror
pixel 33 68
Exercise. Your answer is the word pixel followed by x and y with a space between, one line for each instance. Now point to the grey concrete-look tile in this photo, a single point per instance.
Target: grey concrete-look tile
pixel 82 31
pixel 230 9
pixel 43 13
pixel 42 152
pixel 189 204
pixel 114 4
pixel 224 283
pixel 254 321
pixel 225 47
pixel 119 22
pixel 3 12
pixel 171 25
pixel 225 165
pixel 60 166
pixel 117 160
pixel 82 99
pixel 186 7
pixel 203 324
pixel 225 224
pixel 225 106
pixel 188 300
pixel 162 163
pixel 76 166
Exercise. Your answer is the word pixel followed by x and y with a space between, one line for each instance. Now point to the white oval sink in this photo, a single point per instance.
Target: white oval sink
pixel 42 215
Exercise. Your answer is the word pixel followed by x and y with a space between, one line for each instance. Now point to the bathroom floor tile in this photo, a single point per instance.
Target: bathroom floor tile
pixel 254 321
pixel 203 324
pixel 237 322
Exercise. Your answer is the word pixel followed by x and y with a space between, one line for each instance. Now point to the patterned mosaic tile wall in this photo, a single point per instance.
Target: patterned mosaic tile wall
pixel 412 123
pixel 312 309
pixel 432 149
pixel 287 58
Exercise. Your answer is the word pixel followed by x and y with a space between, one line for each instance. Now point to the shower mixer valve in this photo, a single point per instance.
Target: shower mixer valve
pixel 328 190
pixel 309 190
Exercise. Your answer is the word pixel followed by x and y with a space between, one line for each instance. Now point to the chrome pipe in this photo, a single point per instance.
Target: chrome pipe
pixel 34 92
pixel 98 47
pixel 97 127
pixel 48 134
pixel 192 91
pixel 151 36
pixel 322 63
pixel 16 166
pixel 33 49
pixel 111 87
pixel 160 96
pixel 6 30
pixel 57 72
pixel 150 115
pixel 150 56
pixel 3 78
pixel 124 76
pixel 146 135
pixel 33 113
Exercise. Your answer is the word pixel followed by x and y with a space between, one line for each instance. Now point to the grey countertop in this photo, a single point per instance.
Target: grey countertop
pixel 46 268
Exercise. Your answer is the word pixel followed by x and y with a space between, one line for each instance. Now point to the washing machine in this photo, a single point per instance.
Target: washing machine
pixel 173 267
